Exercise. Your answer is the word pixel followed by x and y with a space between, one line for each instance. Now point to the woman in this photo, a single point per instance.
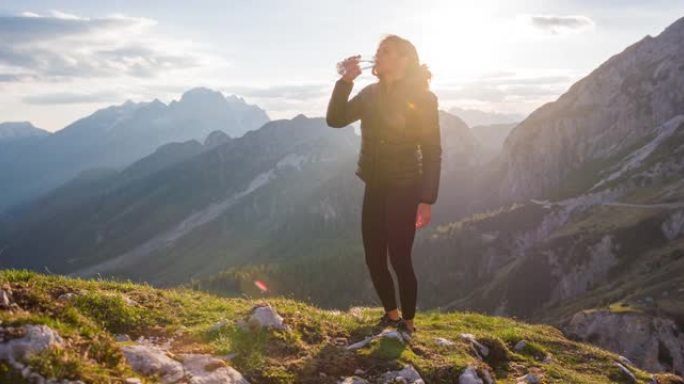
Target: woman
pixel 399 161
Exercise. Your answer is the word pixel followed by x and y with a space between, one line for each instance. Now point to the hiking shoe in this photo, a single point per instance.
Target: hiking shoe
pixel 406 330
pixel 385 321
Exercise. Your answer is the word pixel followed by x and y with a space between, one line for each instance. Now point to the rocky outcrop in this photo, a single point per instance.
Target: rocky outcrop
pixel 652 343
pixel 624 101
pixel 19 343
pixel 150 360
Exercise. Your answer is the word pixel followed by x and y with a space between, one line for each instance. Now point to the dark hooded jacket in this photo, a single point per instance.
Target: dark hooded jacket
pixel 400 134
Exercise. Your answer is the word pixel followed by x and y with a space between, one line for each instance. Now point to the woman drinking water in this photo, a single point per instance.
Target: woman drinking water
pixel 399 162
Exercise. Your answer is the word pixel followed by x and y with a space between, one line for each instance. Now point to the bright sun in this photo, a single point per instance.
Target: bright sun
pixel 459 40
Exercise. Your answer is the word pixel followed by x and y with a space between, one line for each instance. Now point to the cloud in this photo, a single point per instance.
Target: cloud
pixel 555 24
pixel 9 77
pixel 509 86
pixel 285 91
pixel 72 98
pixel 58 46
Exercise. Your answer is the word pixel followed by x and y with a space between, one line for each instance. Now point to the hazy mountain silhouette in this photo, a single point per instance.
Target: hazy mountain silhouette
pixel 118 135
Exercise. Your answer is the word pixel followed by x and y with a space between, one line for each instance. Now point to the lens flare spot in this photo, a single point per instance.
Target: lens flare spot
pixel 261 285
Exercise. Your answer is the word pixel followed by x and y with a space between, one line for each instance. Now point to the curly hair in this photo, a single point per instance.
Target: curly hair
pixel 415 72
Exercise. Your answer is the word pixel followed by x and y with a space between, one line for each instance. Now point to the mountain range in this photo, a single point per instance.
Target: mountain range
pixel 114 137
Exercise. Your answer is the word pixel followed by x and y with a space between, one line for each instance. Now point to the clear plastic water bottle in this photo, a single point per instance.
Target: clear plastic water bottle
pixel 368 59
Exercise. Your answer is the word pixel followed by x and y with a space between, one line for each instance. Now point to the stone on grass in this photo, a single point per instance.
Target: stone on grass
pixel 190 368
pixel 122 337
pixel 626 372
pixel 353 380
pixel 207 369
pixel 5 298
pixel 360 344
pixel 533 376
pixel 443 342
pixel 36 339
pixel 407 375
pixel 520 345
pixel 469 376
pixel 66 296
pixel 149 360
pixel 388 333
pixel 265 316
pixel 481 349
pixel 32 339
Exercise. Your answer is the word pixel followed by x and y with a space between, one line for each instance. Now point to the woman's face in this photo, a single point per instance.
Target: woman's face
pixel 388 60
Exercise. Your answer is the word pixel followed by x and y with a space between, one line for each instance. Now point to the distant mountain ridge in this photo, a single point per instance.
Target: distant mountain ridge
pixel 118 135
pixel 182 185
pixel 475 117
pixel 11 131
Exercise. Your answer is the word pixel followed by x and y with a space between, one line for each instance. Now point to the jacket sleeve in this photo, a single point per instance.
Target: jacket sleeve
pixel 341 111
pixel 431 150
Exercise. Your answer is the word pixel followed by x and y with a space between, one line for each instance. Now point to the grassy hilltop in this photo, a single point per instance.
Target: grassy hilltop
pixel 91 316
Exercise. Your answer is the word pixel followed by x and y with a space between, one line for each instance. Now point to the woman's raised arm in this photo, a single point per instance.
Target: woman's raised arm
pixel 341 111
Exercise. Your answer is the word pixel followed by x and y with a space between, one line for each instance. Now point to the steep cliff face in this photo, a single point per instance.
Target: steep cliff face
pixel 598 120
pixel 654 343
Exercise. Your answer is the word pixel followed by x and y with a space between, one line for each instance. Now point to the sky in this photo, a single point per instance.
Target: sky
pixel 62 60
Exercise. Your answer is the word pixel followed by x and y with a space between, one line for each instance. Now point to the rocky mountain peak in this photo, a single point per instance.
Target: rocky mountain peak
pixel 18 130
pixel 202 95
pixel 618 104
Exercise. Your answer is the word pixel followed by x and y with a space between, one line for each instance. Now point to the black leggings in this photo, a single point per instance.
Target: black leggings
pixel 388 222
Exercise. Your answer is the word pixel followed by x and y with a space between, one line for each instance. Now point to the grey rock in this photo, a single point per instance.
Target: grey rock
pixel 5 300
pixel 479 347
pixel 66 296
pixel 520 345
pixel 443 342
pixel 647 336
pixel 353 380
pixel 207 369
pixel 389 333
pixel 149 360
pixel 406 375
pixel 122 337
pixel 265 316
pixel 627 372
pixel 469 376
pixel 36 339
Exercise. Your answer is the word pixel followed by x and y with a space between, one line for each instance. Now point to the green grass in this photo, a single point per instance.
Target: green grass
pixel 304 354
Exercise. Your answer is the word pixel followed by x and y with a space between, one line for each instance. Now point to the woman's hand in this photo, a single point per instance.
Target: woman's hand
pixel 424 215
pixel 351 68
